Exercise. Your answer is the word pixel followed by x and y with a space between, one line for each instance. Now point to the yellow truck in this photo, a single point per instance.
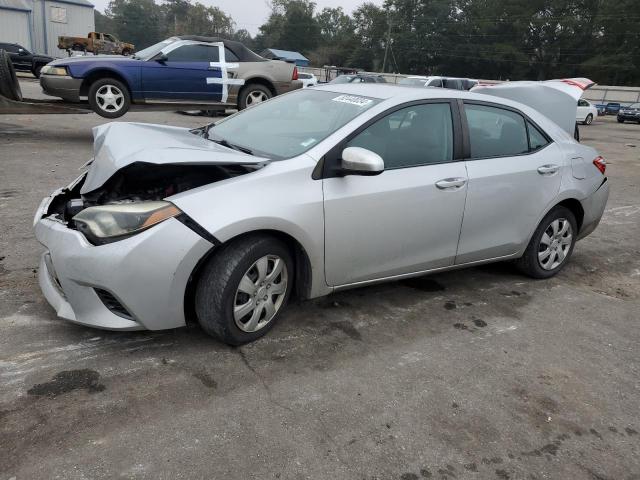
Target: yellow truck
pixel 96 42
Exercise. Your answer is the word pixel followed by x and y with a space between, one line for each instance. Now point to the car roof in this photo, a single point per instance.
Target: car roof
pixel 384 91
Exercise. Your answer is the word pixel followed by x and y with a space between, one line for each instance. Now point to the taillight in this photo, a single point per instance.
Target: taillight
pixel 295 73
pixel 600 164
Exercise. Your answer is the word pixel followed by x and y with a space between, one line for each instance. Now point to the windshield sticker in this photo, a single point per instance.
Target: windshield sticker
pixel 308 142
pixel 353 100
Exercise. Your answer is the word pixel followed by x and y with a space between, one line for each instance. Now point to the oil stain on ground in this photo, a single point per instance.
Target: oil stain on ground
pixel 68 381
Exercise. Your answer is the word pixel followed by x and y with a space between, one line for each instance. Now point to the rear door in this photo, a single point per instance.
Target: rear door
pixel 406 219
pixel 190 72
pixel 514 174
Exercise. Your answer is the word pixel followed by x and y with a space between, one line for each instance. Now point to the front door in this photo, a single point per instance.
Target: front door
pixel 186 74
pixel 407 219
pixel 514 174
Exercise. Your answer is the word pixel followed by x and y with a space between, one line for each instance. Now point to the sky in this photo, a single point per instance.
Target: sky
pixel 250 14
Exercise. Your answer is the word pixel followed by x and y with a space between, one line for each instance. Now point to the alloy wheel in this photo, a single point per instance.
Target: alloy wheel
pixel 110 98
pixel 260 294
pixel 256 96
pixel 555 244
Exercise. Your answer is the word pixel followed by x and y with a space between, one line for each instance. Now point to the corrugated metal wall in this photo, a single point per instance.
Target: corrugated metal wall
pixel 79 22
pixel 14 27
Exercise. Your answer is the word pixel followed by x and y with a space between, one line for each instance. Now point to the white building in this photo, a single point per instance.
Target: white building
pixel 36 24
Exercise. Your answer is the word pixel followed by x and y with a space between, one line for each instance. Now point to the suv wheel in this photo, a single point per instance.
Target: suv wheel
pixel 253 94
pixel 243 289
pixel 109 98
pixel 551 244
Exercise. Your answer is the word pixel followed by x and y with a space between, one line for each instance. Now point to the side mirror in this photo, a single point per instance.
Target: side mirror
pixel 161 58
pixel 22 51
pixel 360 161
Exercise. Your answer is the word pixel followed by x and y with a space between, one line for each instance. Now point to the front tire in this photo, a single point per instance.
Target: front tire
pixel 243 289
pixel 620 120
pixel 252 94
pixel 36 71
pixel 109 98
pixel 551 245
pixel 588 120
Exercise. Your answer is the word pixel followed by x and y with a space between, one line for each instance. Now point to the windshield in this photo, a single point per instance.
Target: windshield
pixel 153 50
pixel 289 125
pixel 634 105
pixel 416 82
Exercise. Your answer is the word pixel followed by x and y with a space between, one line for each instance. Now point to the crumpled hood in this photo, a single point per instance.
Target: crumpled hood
pixel 119 144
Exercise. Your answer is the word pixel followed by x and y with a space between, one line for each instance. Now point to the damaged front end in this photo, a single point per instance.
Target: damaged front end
pixel 135 168
pixel 133 199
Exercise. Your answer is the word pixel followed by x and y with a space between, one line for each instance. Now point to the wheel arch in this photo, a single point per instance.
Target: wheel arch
pixel 303 277
pixel 99 73
pixel 260 81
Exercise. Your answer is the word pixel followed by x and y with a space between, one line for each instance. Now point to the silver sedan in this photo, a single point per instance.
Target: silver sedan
pixel 312 192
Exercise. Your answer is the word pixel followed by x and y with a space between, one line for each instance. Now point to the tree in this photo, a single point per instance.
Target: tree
pixel 137 21
pixel 291 26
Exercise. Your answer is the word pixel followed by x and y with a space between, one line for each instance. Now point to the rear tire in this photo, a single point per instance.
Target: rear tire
pixel 588 120
pixel 9 85
pixel 109 98
pixel 551 245
pixel 252 94
pixel 243 289
pixel 620 120
pixel 36 71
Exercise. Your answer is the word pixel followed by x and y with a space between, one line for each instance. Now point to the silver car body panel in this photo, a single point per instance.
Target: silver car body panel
pixel 354 230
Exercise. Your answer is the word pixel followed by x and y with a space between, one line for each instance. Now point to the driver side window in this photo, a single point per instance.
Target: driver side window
pixel 412 136
pixel 194 53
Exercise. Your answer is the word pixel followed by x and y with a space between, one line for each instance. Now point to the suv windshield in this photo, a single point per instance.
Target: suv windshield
pixel 291 124
pixel 153 50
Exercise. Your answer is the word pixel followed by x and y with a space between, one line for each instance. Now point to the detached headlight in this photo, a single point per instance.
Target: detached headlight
pixel 108 223
pixel 51 70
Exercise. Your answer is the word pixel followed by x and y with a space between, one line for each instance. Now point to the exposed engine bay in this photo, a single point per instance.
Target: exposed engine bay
pixel 140 182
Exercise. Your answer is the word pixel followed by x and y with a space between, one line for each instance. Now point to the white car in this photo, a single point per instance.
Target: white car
pixel 307 79
pixel 440 82
pixel 586 112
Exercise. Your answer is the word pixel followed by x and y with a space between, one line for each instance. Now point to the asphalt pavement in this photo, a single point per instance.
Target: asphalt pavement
pixel 474 374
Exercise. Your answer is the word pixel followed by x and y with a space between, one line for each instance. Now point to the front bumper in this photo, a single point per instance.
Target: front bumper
pixel 146 274
pixel 635 117
pixel 593 207
pixel 62 86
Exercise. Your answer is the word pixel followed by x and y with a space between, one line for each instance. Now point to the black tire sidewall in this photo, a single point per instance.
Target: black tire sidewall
pixel 533 266
pixel 94 103
pixel 36 71
pixel 247 89
pixel 588 120
pixel 9 85
pixel 215 312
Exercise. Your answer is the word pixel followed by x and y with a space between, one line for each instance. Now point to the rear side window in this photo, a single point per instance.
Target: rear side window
pixel 304 76
pixel 537 139
pixel 229 56
pixel 412 136
pixel 495 132
pixel 9 48
pixel 194 53
pixel 582 103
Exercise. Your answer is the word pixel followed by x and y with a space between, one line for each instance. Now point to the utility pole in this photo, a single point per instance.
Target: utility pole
pixel 386 48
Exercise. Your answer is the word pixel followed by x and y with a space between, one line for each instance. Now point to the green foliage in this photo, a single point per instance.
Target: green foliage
pixel 493 39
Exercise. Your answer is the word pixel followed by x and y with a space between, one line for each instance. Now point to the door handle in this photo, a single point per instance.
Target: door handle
pixel 451 183
pixel 548 169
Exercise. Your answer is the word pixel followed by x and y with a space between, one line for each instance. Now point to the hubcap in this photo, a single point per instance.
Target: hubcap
pixel 555 244
pixel 260 293
pixel 256 96
pixel 110 98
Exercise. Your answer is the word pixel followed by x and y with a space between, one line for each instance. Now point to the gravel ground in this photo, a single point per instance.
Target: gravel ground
pixel 479 373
